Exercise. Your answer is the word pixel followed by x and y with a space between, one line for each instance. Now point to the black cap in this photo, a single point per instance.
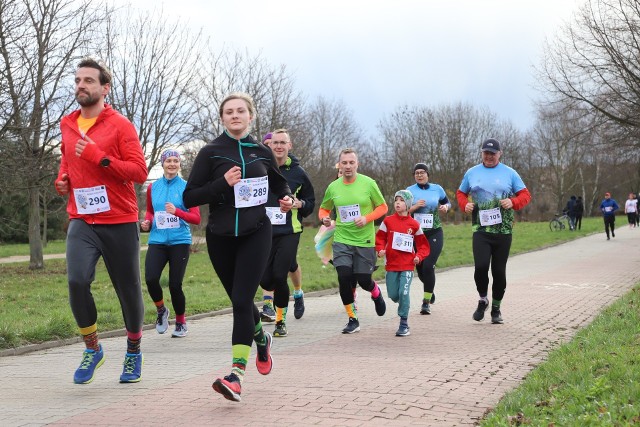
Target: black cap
pixel 491 145
pixel 422 166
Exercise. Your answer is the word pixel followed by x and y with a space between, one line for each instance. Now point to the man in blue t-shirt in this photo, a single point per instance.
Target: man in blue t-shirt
pixel 496 190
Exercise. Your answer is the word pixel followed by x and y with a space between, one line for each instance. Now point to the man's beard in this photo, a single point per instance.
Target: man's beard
pixel 86 100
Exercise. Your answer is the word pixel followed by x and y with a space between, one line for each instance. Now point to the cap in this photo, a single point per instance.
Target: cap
pixel 406 196
pixel 168 153
pixel 422 166
pixel 267 136
pixel 491 145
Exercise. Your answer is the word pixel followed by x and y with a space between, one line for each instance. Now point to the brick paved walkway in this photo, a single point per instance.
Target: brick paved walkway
pixel 447 373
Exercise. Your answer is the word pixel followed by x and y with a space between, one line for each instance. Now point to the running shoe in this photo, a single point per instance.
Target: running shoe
pixel 403 330
pixel 91 360
pixel 433 298
pixel 496 316
pixel 352 326
pixel 268 314
pixel 426 307
pixel 381 307
pixel 162 323
pixel 229 387
pixel 298 306
pixel 180 331
pixel 281 329
pixel 478 315
pixel 132 368
pixel 264 361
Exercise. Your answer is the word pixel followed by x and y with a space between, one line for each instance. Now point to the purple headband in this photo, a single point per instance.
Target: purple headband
pixel 169 153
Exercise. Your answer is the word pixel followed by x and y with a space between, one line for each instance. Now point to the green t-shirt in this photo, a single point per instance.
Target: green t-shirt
pixel 350 201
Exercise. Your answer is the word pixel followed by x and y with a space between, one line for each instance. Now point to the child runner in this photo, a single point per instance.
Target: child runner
pixel 401 240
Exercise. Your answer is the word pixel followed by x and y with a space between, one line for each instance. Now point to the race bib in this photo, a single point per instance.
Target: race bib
pixel 166 220
pixel 402 242
pixel 425 220
pixel 349 213
pixel 490 216
pixel 276 216
pixel 608 208
pixel 91 200
pixel 251 192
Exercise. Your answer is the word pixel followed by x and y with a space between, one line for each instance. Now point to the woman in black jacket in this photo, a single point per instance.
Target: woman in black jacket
pixel 234 175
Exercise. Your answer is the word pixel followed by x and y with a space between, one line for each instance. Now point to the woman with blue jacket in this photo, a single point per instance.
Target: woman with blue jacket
pixel 169 241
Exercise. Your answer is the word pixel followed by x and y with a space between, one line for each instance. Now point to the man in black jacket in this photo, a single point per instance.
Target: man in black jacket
pixel 286 229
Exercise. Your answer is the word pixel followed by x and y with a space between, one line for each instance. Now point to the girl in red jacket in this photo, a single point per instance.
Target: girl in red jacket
pixel 402 241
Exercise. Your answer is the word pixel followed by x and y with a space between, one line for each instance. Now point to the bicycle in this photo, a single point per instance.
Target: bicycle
pixel 558 223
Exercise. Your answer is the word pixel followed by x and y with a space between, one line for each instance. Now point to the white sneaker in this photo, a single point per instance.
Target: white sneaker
pixel 180 331
pixel 162 323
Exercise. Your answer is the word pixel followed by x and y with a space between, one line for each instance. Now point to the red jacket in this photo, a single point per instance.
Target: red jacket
pixel 116 139
pixel 398 260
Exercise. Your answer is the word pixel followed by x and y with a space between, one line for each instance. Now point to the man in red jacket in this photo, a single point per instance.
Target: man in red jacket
pixel 101 159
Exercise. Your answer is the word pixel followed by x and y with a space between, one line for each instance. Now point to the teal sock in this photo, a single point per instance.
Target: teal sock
pixel 297 293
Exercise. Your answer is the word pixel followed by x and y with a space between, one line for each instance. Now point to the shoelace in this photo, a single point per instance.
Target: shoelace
pixel 232 378
pixel 87 359
pixel 160 316
pixel 129 364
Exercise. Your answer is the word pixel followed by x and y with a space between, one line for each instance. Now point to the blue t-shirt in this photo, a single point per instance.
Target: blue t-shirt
pixel 433 196
pixel 487 186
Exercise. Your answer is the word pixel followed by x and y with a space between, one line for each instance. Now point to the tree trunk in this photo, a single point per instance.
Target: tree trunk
pixel 36 260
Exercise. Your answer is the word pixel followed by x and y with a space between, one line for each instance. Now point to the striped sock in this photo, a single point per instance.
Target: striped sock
pixel 133 342
pixel 90 337
pixel 281 314
pixel 240 353
pixel 351 310
pixel 268 300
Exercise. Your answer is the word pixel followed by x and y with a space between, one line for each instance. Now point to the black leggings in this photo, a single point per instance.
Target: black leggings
pixel 282 256
pixel 609 224
pixel 239 263
pixel 346 281
pixel 119 246
pixel 427 268
pixel 491 250
pixel 157 258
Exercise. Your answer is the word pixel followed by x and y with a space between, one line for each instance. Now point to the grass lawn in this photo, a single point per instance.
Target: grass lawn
pixel 42 295
pixel 592 381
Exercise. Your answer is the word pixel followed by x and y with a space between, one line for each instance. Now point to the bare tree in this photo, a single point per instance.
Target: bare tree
pixel 594 62
pixel 39 40
pixel 155 61
pixel 277 101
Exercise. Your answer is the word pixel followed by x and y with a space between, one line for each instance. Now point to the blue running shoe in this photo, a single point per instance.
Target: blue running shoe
pixel 132 368
pixel 91 360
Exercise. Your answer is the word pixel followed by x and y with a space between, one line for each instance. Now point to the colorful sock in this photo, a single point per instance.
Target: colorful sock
pixel 375 293
pixel 404 321
pixel 281 314
pixel 133 342
pixel 180 318
pixel 268 300
pixel 90 337
pixel 258 335
pixel 297 293
pixel 159 305
pixel 496 303
pixel 240 353
pixel 351 310
pixel 427 296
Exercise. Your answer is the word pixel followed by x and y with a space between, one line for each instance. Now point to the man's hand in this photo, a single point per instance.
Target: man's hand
pixel 81 143
pixel 360 221
pixel 469 207
pixel 506 203
pixel 62 185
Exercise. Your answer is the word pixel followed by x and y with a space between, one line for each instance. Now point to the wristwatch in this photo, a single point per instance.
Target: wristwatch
pixel 105 162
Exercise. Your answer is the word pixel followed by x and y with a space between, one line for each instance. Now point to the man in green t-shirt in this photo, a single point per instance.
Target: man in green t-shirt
pixel 358 203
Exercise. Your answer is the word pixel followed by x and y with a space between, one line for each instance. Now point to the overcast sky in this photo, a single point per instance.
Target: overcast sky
pixel 377 55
